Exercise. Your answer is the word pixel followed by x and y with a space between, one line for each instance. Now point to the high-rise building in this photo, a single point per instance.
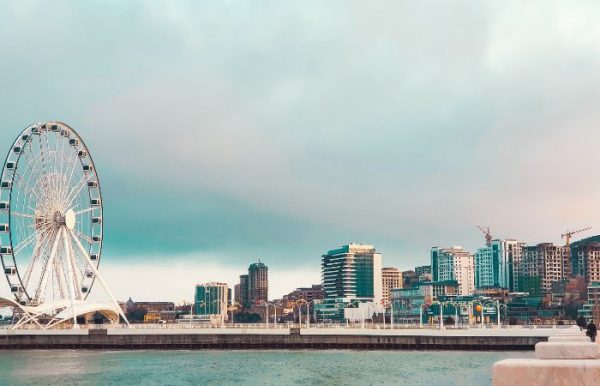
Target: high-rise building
pixel 495 264
pixel 237 294
pixel 392 278
pixel 423 272
pixel 258 283
pixel 585 256
pixel 540 266
pixel 244 291
pixel 352 272
pixel 454 264
pixel 211 299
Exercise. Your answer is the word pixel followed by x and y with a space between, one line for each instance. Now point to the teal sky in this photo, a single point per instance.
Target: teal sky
pixel 227 131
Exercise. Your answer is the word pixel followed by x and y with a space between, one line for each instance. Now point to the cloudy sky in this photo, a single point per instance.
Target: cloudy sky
pixel 229 131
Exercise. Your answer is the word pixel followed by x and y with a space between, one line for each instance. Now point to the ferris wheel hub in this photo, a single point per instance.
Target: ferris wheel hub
pixel 70 219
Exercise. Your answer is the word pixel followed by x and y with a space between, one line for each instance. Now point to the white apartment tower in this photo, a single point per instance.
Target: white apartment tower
pixel 454 264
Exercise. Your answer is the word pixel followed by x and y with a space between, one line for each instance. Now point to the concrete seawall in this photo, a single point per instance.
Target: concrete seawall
pixel 100 339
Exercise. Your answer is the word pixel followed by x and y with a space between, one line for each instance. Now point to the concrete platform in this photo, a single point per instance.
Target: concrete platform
pixel 548 372
pixel 567 350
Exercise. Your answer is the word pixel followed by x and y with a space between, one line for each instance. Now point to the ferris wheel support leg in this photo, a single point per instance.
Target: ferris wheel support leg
pixel 97 274
pixel 27 317
pixel 49 265
pixel 77 276
pixel 70 274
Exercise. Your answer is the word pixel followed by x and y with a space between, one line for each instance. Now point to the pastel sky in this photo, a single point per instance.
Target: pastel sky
pixel 229 131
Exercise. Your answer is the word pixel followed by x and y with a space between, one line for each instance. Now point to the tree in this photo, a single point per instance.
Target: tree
pixel 244 317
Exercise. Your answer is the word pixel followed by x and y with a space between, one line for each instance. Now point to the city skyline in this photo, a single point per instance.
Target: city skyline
pixel 210 160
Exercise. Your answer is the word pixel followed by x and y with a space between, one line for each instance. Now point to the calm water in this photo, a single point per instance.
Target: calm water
pixel 250 367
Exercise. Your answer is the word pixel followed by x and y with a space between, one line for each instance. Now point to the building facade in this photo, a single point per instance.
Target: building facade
pixel 540 266
pixel 315 292
pixel 392 278
pixel 244 291
pixel 211 299
pixel 352 271
pixel 258 283
pixel 410 279
pixel 454 264
pixel 495 264
pixel 423 273
pixel 585 257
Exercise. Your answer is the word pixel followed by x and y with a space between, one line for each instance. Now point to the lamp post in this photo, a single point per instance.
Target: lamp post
pixel 300 312
pixel 266 314
pixel 314 309
pixel 421 316
pixel 498 313
pixel 274 314
pixel 392 314
pixel 456 305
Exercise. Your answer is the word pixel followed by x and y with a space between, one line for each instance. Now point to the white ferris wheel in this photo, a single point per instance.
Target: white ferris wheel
pixel 51 226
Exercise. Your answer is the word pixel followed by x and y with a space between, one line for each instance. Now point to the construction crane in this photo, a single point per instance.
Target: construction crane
pixel 487 234
pixel 567 236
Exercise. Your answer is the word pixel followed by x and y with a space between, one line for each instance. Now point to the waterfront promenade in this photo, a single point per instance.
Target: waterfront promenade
pixel 280 337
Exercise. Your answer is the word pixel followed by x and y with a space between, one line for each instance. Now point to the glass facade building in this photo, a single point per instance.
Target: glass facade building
pixel 211 299
pixel 350 274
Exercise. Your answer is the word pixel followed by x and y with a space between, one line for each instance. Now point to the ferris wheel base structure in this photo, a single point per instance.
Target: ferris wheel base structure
pixel 51 228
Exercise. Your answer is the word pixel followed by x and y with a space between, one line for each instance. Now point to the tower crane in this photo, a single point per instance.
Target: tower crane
pixel 567 236
pixel 487 234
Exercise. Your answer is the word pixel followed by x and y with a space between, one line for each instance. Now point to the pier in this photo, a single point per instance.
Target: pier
pixel 276 338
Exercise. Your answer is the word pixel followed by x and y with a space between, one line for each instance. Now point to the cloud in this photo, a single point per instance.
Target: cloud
pixel 286 129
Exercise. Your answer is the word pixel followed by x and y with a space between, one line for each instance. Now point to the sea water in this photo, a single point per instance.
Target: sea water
pixel 226 367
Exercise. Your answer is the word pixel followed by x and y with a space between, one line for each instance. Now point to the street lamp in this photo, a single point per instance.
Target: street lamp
pixel 274 313
pixel 392 314
pixel 266 314
pixel 300 312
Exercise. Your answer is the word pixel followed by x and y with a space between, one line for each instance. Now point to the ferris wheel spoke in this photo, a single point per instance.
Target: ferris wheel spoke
pixel 85 238
pixel 91 208
pixel 75 191
pixel 23 215
pixel 36 253
pixel 41 256
pixel 26 185
pixel 25 243
pixel 28 159
pixel 49 264
pixel 70 174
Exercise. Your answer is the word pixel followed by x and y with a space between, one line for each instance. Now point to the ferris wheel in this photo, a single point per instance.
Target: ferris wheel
pixel 50 216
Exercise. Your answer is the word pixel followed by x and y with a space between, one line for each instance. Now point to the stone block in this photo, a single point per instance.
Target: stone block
pixel 567 350
pixel 550 372
pixel 569 338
